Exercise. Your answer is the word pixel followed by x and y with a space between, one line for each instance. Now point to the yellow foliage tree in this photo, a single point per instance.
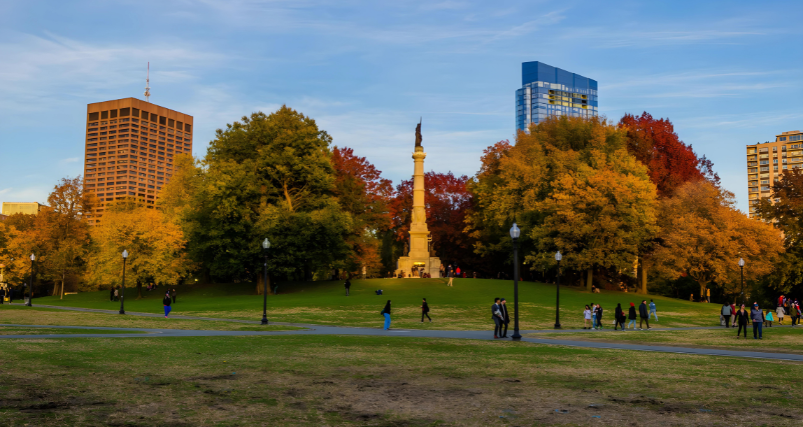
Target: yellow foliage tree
pixel 703 236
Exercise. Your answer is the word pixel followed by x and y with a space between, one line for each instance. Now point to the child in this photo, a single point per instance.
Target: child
pixel 586 317
pixel 768 319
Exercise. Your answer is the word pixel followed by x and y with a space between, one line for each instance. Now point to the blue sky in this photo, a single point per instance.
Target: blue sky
pixel 727 73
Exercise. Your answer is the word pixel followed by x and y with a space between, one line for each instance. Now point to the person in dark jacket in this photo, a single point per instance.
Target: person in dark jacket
pixel 619 317
pixel 425 311
pixel 348 287
pixel 496 316
pixel 173 295
pixel 726 313
pixel 599 316
pixel 631 316
pixel 757 316
pixel 386 313
pixel 111 294
pixel 505 317
pixel 644 313
pixel 166 303
pixel 741 318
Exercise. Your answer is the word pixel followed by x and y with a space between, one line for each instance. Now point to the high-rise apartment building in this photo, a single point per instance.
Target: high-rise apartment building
pixel 766 163
pixel 549 91
pixel 130 147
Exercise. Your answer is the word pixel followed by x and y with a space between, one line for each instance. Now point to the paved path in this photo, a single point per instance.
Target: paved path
pixel 341 330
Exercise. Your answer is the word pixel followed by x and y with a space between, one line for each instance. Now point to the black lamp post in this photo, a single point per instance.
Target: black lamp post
pixel 741 267
pixel 122 290
pixel 558 257
pixel 514 234
pixel 265 246
pixel 30 291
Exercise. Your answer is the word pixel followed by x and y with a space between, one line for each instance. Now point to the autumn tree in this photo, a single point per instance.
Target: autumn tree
pixel 703 236
pixel 156 248
pixel 784 209
pixel 572 186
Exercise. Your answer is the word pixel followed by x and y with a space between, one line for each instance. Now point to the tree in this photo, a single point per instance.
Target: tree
pixel 156 248
pixel 572 186
pixel 703 236
pixel 784 210
pixel 670 161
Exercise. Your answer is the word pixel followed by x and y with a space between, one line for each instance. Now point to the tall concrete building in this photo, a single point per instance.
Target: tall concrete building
pixel 130 148
pixel 549 91
pixel 766 163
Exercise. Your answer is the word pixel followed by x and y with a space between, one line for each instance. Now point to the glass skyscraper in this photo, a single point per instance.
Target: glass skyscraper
pixel 549 91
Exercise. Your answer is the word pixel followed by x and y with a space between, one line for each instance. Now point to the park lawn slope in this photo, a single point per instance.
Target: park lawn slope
pixel 466 306
pixel 387 381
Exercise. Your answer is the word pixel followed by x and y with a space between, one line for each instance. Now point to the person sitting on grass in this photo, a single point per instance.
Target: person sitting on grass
pixel 166 303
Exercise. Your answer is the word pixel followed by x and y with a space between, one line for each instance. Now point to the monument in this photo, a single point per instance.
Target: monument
pixel 417 255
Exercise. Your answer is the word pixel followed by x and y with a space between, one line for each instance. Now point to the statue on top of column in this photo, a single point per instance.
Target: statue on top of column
pixel 418 138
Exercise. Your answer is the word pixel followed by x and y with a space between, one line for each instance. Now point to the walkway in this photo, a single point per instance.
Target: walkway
pixel 341 330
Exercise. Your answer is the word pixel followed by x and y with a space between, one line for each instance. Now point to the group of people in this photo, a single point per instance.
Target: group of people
pixel 593 315
pixel 7 292
pixel 386 313
pixel 501 318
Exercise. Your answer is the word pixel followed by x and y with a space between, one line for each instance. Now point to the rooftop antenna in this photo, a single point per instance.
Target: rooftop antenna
pixel 148 84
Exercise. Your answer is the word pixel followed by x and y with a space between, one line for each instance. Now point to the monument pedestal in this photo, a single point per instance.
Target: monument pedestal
pixel 431 265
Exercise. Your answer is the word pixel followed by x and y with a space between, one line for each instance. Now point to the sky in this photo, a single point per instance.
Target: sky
pixel 726 73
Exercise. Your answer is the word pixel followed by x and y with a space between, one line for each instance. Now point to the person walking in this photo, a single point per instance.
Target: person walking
pixel 111 294
pixel 505 317
pixel 780 312
pixel 768 319
pixel 593 316
pixel 2 295
pixel 173 295
pixel 348 287
pixel 631 316
pixel 653 310
pixel 451 276
pixel 116 294
pixel 793 313
pixel 457 272
pixel 617 314
pixel 741 318
pixel 644 314
pixel 386 312
pixel 726 313
pixel 599 316
pixel 757 316
pixel 166 301
pixel 425 311
pixel 496 316
pixel 586 317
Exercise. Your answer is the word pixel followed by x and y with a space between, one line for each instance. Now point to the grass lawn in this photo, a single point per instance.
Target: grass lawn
pixel 12 330
pixel 381 381
pixel 464 306
pixel 775 339
pixel 44 316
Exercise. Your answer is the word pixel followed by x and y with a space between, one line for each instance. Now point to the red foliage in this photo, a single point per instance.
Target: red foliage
pixel 671 162
pixel 361 189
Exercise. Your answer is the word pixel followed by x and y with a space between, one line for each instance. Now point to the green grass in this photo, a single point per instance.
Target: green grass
pixel 464 306
pixel 381 381
pixel 15 330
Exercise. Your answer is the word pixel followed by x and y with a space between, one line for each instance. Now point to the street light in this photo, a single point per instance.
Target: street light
pixel 265 246
pixel 514 234
pixel 741 267
pixel 122 291
pixel 30 291
pixel 558 257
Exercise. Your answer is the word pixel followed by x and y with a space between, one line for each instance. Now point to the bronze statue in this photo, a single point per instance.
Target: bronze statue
pixel 406 249
pixel 418 134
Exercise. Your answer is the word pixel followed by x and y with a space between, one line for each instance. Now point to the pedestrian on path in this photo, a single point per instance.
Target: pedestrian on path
pixel 757 316
pixel 726 313
pixel 111 294
pixel 793 312
pixel 653 311
pixel 348 287
pixel 593 316
pixel 505 317
pixel 173 295
pixel 618 317
pixel 599 316
pixel 780 312
pixel 586 317
pixel 386 313
pixel 768 319
pixel 451 276
pixel 631 316
pixel 2 295
pixel 116 294
pixel 496 316
pixel 166 303
pixel 644 314
pixel 741 317
pixel 425 311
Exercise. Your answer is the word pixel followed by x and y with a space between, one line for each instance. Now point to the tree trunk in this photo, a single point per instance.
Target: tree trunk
pixel 139 289
pixel 590 279
pixel 62 284
pixel 642 278
pixel 703 287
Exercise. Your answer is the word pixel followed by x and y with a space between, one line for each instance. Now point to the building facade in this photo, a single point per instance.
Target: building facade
pixel 766 163
pixel 130 148
pixel 549 91
pixel 28 208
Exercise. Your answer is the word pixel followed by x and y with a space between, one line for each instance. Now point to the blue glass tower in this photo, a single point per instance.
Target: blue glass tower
pixel 549 91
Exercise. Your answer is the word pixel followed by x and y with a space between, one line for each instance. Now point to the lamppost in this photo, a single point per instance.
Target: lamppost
pixel 265 246
pixel 30 291
pixel 514 234
pixel 122 290
pixel 741 267
pixel 558 257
